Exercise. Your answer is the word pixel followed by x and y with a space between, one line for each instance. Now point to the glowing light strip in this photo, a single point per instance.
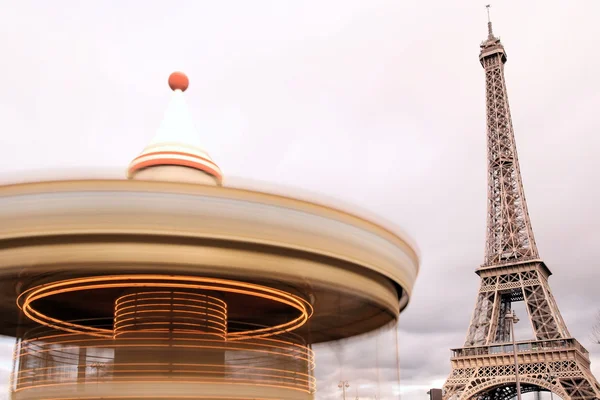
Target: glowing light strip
pixel 306 379
pixel 176 316
pixel 121 328
pixel 96 382
pixel 191 301
pixel 30 342
pixel 176 158
pixel 304 358
pixel 25 299
pixel 32 297
pixel 257 342
pixel 175 312
pixel 120 308
pixel 290 351
pixel 155 397
pixel 211 305
pixel 173 332
pixel 291 378
pixel 138 305
pixel 88 339
pixel 216 301
pixel 295 381
pixel 174 307
pixel 178 364
pixel 169 292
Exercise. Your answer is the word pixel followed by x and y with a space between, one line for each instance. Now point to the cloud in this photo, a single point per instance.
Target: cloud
pixel 378 103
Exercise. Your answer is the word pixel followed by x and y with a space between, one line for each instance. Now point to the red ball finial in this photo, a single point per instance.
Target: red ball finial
pixel 178 80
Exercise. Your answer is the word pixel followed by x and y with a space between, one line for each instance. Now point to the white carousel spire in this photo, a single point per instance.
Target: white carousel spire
pixel 176 143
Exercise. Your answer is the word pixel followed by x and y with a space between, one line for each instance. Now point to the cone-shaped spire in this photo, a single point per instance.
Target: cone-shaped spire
pixel 175 153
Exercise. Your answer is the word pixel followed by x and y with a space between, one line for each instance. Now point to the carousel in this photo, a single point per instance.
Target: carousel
pixel 171 285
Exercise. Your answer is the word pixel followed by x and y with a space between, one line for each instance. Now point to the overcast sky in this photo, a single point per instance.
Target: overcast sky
pixel 377 103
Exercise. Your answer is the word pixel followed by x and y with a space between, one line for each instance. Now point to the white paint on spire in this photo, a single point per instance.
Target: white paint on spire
pixel 177 126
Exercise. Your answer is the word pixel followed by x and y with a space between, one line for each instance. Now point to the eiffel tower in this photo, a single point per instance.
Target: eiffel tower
pixel 484 368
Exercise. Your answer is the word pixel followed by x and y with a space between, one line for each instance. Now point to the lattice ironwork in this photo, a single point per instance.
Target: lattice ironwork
pixel 526 282
pixel 483 369
pixel 565 378
pixel 509 233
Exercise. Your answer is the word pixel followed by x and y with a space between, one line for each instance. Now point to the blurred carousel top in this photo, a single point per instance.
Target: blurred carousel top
pixel 173 256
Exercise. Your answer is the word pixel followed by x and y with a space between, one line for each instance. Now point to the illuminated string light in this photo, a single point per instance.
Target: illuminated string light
pixel 154 397
pixel 190 320
pixel 284 378
pixel 154 380
pixel 26 299
pixel 255 346
pixel 142 310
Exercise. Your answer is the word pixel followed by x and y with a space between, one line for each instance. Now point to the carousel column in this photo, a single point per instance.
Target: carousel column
pixel 170 334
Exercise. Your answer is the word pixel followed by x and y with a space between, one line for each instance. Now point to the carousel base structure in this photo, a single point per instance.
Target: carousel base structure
pixel 121 289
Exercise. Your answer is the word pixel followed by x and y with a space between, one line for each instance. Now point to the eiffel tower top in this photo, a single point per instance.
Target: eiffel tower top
pixel 490 30
pixel 492 44
pixel 510 237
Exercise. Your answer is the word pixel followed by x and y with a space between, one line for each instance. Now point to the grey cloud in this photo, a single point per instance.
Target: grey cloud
pixel 379 104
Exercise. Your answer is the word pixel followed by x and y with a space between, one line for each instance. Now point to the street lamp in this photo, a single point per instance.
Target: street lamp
pixel 550 378
pixel 512 319
pixel 344 385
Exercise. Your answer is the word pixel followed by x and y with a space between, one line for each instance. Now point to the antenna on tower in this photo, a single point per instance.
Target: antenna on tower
pixel 490 33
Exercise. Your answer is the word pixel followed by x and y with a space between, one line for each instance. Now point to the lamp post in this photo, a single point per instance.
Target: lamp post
pixel 550 378
pixel 344 385
pixel 512 319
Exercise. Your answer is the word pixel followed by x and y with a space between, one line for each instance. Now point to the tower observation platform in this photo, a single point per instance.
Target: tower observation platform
pixel 171 285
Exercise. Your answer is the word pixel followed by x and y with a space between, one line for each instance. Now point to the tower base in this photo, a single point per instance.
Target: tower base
pixel 488 372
